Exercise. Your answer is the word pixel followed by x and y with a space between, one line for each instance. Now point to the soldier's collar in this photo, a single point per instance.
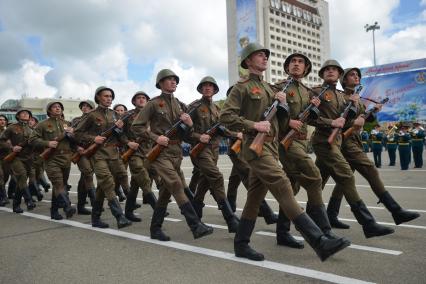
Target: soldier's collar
pixel 256 77
pixel 206 100
pixel 331 86
pixel 102 108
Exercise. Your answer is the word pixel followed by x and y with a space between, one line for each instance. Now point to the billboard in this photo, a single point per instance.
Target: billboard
pixel 246 28
pixel 404 83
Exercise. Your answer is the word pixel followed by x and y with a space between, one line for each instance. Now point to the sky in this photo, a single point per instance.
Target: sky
pixel 58 48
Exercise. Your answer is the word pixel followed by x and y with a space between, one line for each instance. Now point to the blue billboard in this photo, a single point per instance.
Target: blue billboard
pixel 246 28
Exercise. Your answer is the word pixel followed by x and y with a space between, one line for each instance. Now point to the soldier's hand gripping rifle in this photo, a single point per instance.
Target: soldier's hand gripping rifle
pixel 91 150
pixel 171 132
pixel 129 152
pixel 349 108
pixel 12 155
pixel 45 155
pixel 216 129
pixel 257 144
pixel 311 111
pixel 368 113
pixel 236 146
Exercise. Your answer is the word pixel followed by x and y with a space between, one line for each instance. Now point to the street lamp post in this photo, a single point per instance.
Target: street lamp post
pixel 368 28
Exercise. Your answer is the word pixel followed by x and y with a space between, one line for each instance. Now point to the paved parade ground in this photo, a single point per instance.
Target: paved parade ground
pixel 36 249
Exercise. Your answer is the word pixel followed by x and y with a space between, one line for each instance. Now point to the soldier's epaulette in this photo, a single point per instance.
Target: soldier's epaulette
pixel 243 80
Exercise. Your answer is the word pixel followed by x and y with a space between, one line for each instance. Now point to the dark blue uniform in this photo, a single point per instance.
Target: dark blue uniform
pixel 392 145
pixel 376 140
pixel 404 149
pixel 417 142
pixel 364 139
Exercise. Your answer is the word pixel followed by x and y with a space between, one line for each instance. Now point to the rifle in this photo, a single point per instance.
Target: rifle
pixel 172 131
pixel 129 152
pixel 213 131
pixel 311 109
pixel 351 129
pixel 91 150
pixel 344 114
pixel 257 144
pixel 236 146
pixel 12 155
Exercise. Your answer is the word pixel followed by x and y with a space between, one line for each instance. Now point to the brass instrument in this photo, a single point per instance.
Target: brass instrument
pixel 390 133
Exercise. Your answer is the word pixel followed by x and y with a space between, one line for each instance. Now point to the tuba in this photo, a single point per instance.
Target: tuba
pixel 391 132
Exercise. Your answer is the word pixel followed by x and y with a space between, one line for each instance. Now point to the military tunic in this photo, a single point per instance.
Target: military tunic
pixel 404 145
pixel 417 141
pixel 244 107
pixel 391 145
pixel 364 141
pixel 376 140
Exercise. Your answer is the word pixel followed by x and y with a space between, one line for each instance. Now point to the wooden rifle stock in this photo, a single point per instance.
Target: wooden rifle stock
pixel 200 146
pixel 129 152
pixel 12 155
pixel 236 146
pixel 45 155
pixel 76 157
pixel 303 117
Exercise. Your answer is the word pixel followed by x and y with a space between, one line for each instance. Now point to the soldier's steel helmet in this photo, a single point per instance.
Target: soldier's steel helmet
pixel 249 50
pixel 89 102
pixel 163 74
pixel 345 72
pixel 208 79
pixel 103 88
pixel 140 93
pixel 308 63
pixel 330 62
pixel 21 110
pixel 50 104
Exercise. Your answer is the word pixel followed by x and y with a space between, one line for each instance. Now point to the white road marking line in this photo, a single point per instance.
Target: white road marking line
pixel 304 272
pixel 389 224
pixel 352 246
pixel 387 186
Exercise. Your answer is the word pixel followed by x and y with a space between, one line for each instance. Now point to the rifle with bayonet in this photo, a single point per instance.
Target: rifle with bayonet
pixel 257 144
pixel 349 108
pixel 216 129
pixel 171 132
pixel 311 111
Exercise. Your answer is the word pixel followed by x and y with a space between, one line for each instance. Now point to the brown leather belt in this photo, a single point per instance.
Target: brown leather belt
pixel 63 151
pixel 174 142
pixel 111 145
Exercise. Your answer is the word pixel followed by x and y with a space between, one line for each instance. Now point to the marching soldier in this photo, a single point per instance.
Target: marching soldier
pixel 391 144
pixel 18 134
pixel 105 160
pixel 417 140
pixel 364 139
pixel 296 162
pixel 121 109
pixel 376 140
pixel 158 116
pixel 204 117
pixel 242 112
pixel 37 167
pixel 4 170
pixel 358 160
pixel 137 162
pixel 85 185
pixel 404 146
pixel 330 159
pixel 55 133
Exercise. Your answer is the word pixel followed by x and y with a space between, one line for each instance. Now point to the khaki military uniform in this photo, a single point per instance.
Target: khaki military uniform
pixel 159 114
pixel 245 105
pixel 330 159
pixel 105 161
pixel 4 171
pixel 296 162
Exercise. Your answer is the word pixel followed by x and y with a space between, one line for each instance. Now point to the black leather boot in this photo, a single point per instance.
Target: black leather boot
pixel 3 197
pixel 28 199
pixel 35 191
pixel 117 212
pixel 322 245
pixel 91 192
pixel 17 202
pixel 198 207
pixel 366 220
pixel 399 214
pixel 232 202
pixel 96 215
pixel 68 209
pixel 11 189
pixel 231 220
pixel 54 213
pixel 284 238
pixel 42 181
pixel 120 193
pixel 333 209
pixel 130 207
pixel 319 215
pixel 198 228
pixel 242 240
pixel 156 223
pixel 189 194
pixel 266 212
pixel 81 201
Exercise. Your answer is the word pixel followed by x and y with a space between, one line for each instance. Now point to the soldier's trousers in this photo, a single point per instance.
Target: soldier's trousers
pixel 359 161
pixel 195 179
pixel 418 156
pixel 301 170
pixel 21 169
pixel 86 169
pixel 365 147
pixel 140 177
pixel 58 171
pixel 206 162
pixel 239 173
pixel 392 154
pixel 377 154
pixel 266 174
pixel 105 171
pixel 171 181
pixel 331 162
pixel 404 156
pixel 4 173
